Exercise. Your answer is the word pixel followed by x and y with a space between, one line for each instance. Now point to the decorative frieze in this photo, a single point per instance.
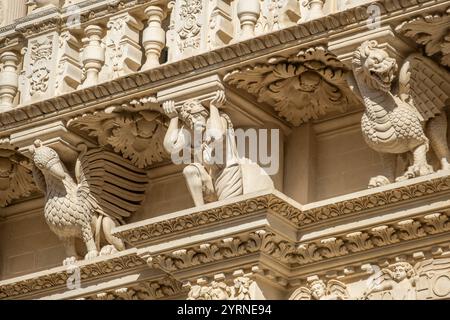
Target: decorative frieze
pixel 221 288
pixel 164 288
pixel 57 279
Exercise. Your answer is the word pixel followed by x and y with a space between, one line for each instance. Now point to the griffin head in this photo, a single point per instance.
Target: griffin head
pixel 374 66
pixel 47 160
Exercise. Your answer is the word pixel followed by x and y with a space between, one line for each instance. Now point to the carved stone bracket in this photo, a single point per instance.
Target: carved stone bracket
pixel 301 87
pixel 16 180
pixel 431 31
pixel 136 130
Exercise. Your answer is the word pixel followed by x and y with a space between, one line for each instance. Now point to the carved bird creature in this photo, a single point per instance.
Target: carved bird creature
pixel 406 118
pixel 107 189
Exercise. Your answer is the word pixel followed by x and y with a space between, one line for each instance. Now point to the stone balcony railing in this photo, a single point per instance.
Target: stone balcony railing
pixel 48 48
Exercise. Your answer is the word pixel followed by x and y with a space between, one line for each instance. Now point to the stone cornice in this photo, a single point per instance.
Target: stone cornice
pixel 233 55
pixel 296 254
pixel 56 278
pixel 273 202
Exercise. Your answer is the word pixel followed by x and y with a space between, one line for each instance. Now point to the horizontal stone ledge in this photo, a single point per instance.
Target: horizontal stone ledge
pixel 292 216
pixel 55 280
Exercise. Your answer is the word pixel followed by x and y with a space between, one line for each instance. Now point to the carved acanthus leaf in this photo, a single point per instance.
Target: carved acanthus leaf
pixel 135 130
pixel 301 87
pixel 431 31
pixel 16 180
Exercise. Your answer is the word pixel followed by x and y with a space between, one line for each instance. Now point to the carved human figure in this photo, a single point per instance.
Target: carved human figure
pixel 215 291
pixel 394 119
pixel 399 278
pixel 75 209
pixel 216 172
pixel 319 290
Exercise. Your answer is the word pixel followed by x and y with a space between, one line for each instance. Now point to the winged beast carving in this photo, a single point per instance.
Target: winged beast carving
pixel 106 190
pixel 403 117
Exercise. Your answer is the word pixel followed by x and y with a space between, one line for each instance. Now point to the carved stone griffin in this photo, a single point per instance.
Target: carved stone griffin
pixel 404 118
pixel 107 189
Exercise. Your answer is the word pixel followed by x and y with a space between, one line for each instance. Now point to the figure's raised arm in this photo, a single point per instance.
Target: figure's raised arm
pixel 215 129
pixel 174 140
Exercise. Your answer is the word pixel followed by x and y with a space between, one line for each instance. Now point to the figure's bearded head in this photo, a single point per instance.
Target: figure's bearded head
pixel 194 114
pixel 47 160
pixel 374 66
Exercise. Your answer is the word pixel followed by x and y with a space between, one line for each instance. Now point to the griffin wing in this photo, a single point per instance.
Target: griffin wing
pixel 301 293
pixel 110 184
pixel 423 84
pixel 338 289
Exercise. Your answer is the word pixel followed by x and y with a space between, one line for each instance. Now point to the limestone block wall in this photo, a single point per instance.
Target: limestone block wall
pixel 27 245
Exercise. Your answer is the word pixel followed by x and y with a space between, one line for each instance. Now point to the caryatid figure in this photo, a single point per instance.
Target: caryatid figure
pixel 215 173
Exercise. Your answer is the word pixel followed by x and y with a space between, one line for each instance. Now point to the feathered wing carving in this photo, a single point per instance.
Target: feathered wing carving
pixel 426 84
pixel 112 186
pixel 108 189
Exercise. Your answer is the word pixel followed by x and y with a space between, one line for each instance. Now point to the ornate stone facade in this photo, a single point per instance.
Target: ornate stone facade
pixel 222 149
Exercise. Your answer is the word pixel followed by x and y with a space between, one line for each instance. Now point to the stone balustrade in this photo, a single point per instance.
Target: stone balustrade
pixel 73 44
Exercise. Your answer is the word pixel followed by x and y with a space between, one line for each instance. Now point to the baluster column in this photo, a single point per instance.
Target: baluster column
pixel 93 55
pixel 248 12
pixel 154 37
pixel 9 79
